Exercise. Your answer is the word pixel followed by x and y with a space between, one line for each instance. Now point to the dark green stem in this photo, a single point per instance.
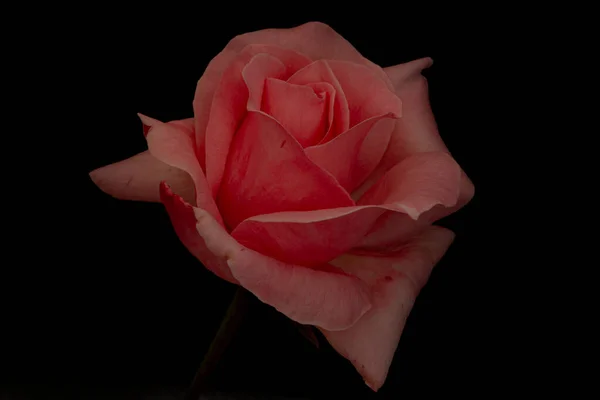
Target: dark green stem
pixel 229 325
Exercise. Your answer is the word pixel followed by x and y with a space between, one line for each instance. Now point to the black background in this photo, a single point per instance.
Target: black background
pixel 110 300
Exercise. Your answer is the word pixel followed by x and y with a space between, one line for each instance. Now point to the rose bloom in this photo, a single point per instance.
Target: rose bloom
pixel 311 177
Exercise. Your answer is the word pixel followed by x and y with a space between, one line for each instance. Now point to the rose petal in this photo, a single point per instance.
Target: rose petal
pixel 184 223
pixel 268 172
pixel 352 156
pixel 417 184
pixel 416 131
pixel 299 109
pixel 137 178
pixel 255 74
pixel 310 238
pixel 395 282
pixel 368 96
pixel 314 39
pixel 174 145
pixel 319 71
pixel 392 229
pixel 324 298
pixel 229 104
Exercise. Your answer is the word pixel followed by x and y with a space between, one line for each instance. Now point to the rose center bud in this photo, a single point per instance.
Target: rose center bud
pixel 304 111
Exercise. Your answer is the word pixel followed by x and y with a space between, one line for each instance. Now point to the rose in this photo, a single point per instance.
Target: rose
pixel 311 177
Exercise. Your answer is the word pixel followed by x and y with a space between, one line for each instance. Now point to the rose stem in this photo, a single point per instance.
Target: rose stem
pixel 229 325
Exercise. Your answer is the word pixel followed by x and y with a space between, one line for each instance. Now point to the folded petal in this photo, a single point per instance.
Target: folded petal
pixel 352 156
pixel 317 72
pixel 367 94
pixel 268 172
pixel 311 238
pixel 137 178
pixel 255 73
pixel 395 282
pixel 314 39
pixel 173 144
pixel 328 298
pixel 210 79
pixel 299 109
pixel 417 184
pixel 393 229
pixel 184 223
pixel 228 107
pixel 416 131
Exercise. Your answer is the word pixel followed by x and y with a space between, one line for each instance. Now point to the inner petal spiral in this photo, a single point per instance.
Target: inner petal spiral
pixel 303 110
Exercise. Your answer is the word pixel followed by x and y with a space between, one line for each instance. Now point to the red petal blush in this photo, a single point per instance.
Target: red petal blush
pixel 174 146
pixel 137 178
pixel 268 172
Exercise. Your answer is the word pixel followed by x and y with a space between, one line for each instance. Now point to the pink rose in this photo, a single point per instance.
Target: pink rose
pixel 311 177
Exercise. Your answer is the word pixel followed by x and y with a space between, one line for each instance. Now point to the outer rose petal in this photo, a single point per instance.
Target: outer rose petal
pixel 392 229
pixel 326 298
pixel 352 156
pixel 229 104
pixel 173 144
pixel 184 222
pixel 319 71
pixel 299 109
pixel 416 131
pixel 368 96
pixel 415 186
pixel 268 172
pixel 395 282
pixel 137 178
pixel 314 39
